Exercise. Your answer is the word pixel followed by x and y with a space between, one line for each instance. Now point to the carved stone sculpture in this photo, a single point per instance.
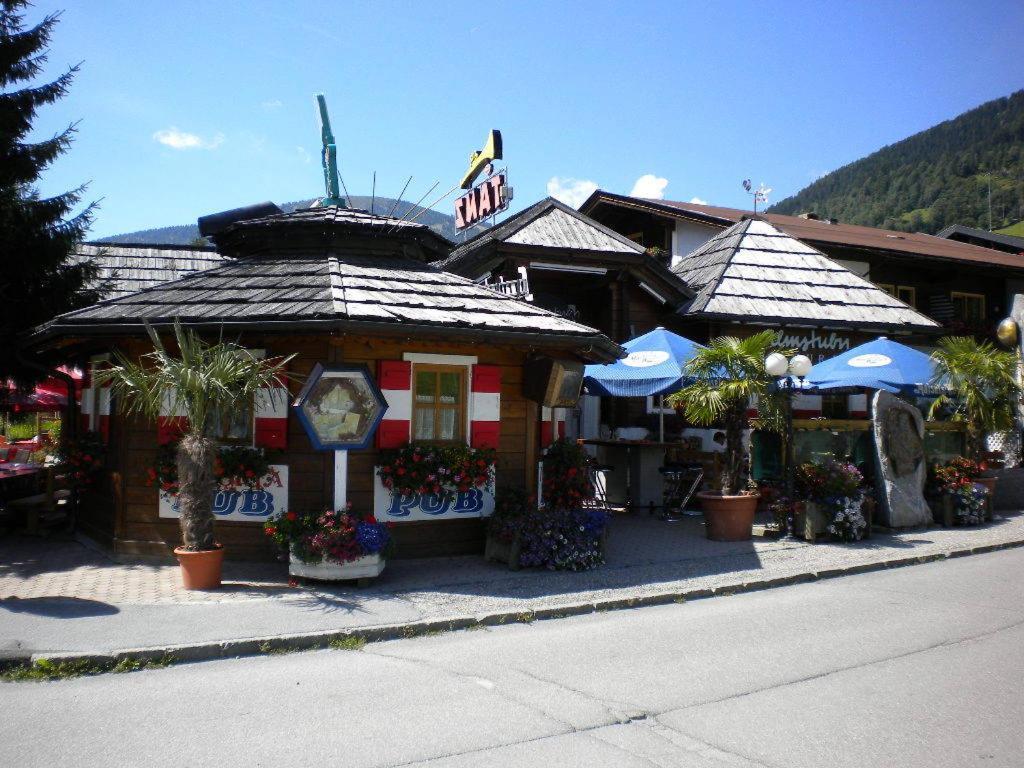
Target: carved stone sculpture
pixel 899 455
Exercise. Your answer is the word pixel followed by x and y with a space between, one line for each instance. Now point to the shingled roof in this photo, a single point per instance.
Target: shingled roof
pixel 368 291
pixel 319 224
pixel 753 272
pixel 823 233
pixel 545 224
pixel 126 268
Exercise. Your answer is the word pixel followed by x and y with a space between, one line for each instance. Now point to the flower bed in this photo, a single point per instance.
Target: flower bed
pixel 566 475
pixel 332 544
pixel 84 459
pixel 524 535
pixel 956 481
pixel 837 488
pixel 235 467
pixel 422 468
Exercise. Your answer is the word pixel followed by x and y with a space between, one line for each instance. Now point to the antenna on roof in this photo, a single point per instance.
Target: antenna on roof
pixel 760 194
pixel 417 205
pixel 373 193
pixel 398 199
pixel 329 158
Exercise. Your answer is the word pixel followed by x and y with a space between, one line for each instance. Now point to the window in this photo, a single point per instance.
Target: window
pixel 439 403
pixel 235 428
pixel 968 307
pixel 907 294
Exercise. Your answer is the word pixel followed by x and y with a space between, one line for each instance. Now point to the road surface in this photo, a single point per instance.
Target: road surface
pixel 920 666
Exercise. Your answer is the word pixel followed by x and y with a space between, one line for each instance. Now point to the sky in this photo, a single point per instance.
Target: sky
pixel 189 108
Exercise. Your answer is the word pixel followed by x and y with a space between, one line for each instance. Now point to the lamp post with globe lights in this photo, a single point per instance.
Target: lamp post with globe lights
pixel 778 365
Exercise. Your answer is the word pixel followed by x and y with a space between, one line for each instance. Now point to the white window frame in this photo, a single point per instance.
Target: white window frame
pixel 429 358
pixel 652 408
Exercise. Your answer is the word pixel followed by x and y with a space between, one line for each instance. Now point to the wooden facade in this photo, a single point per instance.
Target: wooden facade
pixel 331 286
pixel 124 511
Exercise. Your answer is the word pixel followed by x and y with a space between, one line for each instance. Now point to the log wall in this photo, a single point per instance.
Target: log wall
pixel 124 508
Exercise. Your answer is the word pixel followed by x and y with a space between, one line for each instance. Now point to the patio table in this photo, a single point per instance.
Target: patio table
pixel 18 480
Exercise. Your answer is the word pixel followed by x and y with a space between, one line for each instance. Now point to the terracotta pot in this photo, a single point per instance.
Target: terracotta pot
pixel 200 570
pixel 728 518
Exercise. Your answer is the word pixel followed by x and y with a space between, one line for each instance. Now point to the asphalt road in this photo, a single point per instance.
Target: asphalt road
pixel 920 666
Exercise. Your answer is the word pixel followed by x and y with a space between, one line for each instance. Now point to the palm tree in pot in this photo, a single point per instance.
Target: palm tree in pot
pixel 209 383
pixel 984 391
pixel 727 376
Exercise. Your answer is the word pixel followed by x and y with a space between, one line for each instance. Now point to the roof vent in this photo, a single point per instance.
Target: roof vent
pixel 896 237
pixel 809 215
pixel 215 223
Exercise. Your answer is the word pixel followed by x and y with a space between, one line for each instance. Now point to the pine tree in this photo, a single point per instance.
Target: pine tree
pixel 38 276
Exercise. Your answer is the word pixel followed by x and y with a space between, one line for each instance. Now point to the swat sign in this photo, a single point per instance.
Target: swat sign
pixel 487 198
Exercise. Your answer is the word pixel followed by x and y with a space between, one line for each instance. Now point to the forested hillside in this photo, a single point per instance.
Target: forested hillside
pixel 184 234
pixel 932 179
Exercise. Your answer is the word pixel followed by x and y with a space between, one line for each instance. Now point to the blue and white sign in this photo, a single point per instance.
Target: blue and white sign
pixel 388 507
pixel 252 506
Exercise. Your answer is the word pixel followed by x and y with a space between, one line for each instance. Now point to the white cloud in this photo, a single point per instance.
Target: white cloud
pixel 304 155
pixel 698 201
pixel 571 191
pixel 271 104
pixel 175 139
pixel 649 186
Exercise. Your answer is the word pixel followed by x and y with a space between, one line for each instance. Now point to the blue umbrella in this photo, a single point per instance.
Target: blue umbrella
pixel 655 365
pixel 879 364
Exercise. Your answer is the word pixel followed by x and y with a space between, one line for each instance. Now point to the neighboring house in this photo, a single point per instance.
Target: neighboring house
pixel 129 267
pixel 984 238
pixel 570 264
pixel 965 287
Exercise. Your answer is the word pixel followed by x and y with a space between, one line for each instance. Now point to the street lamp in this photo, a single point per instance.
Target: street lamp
pixel 778 366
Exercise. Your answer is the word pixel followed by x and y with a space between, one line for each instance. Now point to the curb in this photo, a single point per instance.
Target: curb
pixel 320 640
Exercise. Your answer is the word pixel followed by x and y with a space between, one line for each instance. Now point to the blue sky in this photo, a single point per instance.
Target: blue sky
pixel 188 108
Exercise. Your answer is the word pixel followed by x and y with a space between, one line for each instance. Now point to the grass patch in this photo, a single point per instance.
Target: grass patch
pixel 348 643
pixel 270 649
pixel 56 669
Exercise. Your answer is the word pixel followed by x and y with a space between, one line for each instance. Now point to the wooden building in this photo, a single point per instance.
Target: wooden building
pixel 329 285
pixel 966 288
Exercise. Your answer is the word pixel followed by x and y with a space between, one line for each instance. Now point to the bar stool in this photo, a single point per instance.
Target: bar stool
pixel 599 479
pixel 679 483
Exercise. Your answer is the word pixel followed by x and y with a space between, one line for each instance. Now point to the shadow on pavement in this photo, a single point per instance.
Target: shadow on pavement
pixel 58 607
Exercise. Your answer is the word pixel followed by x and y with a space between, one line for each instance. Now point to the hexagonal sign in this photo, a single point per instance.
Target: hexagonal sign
pixel 340 407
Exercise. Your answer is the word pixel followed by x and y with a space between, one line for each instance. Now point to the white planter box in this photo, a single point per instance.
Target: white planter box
pixel 366 567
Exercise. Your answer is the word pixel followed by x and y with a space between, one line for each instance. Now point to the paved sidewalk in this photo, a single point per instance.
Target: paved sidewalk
pixel 60 596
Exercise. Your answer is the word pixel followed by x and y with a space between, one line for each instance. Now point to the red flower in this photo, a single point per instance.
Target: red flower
pixel 292 516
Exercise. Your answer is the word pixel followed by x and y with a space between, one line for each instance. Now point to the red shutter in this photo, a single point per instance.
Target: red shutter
pixel 270 417
pixel 394 377
pixel 170 425
pixel 485 407
pixel 545 425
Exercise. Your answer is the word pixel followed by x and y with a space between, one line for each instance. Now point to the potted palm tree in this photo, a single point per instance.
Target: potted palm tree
pixel 727 376
pixel 984 390
pixel 208 383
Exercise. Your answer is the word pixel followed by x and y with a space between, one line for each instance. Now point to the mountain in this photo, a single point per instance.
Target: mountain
pixel 932 179
pixel 184 234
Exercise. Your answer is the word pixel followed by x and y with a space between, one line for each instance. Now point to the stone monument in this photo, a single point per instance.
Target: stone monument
pixel 899 459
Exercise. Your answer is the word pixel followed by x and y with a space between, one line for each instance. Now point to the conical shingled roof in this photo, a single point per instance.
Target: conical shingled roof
pixel 754 272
